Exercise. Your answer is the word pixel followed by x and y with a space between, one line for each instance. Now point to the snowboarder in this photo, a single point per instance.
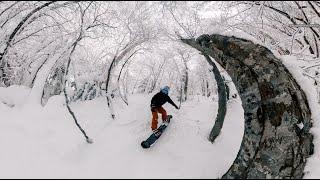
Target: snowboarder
pixel 156 107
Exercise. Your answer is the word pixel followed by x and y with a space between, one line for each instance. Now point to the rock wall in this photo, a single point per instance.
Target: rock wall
pixel 276 141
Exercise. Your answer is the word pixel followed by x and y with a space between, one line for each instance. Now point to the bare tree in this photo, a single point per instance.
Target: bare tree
pixel 135 34
pixel 12 35
pixel 73 47
pixel 185 57
pixel 123 94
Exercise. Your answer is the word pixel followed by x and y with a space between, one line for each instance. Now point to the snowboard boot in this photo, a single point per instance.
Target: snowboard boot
pixel 156 132
pixel 166 121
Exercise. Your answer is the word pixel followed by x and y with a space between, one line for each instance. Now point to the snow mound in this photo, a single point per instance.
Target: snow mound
pixel 44 142
pixel 13 95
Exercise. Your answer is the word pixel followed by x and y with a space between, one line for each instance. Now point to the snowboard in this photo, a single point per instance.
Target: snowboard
pixel 154 137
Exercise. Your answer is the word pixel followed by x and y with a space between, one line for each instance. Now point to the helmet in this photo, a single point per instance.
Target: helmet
pixel 165 90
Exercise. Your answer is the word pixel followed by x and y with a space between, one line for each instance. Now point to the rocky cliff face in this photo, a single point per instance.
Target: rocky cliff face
pixel 276 141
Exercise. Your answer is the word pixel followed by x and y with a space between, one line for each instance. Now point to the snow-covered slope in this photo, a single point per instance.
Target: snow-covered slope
pixel 45 142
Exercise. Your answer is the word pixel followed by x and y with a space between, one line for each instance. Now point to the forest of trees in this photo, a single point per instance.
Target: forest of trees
pixel 111 49
pixel 88 49
pixel 117 48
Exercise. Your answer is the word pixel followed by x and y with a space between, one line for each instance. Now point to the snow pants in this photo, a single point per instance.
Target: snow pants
pixel 155 111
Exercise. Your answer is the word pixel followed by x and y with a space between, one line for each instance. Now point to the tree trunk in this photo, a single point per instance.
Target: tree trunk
pixel 123 96
pixel 107 86
pixel 215 131
pixel 186 79
pixel 65 91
